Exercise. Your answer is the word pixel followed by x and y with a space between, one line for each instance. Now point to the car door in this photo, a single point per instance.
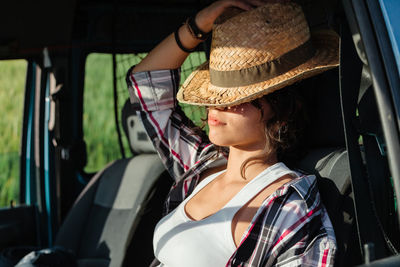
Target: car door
pixel 18 222
pixel 26 34
pixel 372 126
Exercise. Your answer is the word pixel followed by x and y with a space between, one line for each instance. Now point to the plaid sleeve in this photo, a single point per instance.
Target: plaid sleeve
pixel 171 132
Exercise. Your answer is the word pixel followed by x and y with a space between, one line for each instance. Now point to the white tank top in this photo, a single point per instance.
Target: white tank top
pixel 180 241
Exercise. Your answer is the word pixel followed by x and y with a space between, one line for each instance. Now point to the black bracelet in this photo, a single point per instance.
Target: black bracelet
pixel 195 31
pixel 178 42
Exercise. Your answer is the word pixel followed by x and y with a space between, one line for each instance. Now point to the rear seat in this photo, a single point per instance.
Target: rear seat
pixel 109 211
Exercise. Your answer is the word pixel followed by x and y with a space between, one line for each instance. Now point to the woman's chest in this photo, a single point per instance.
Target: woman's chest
pixel 239 206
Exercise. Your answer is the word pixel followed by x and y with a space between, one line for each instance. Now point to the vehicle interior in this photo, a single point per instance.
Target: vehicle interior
pixel 106 217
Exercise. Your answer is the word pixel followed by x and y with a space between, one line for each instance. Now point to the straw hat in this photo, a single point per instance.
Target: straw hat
pixel 257 52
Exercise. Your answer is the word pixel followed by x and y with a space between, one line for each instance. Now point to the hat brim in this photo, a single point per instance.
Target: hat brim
pixel 197 89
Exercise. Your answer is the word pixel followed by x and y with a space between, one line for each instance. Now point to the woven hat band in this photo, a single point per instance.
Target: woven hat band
pixel 264 71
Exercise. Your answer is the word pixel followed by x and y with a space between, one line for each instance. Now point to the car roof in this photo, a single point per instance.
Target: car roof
pixel 62 24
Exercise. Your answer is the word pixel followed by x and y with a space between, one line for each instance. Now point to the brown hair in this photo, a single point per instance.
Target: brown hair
pixel 284 129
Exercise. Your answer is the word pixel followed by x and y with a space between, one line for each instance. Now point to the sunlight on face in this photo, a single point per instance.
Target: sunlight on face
pixel 241 126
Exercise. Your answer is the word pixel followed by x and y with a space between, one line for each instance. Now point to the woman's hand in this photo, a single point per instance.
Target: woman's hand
pixel 167 55
pixel 207 16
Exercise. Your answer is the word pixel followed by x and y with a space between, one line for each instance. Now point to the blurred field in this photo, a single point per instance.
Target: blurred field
pixel 99 125
pixel 98 118
pixel 12 83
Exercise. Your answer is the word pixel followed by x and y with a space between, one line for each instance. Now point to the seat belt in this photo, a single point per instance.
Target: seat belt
pixel 349 82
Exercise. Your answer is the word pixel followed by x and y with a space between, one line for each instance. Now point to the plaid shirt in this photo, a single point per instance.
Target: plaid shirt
pixel 291 228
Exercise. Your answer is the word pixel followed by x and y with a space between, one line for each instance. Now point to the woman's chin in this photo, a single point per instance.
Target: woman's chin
pixel 219 140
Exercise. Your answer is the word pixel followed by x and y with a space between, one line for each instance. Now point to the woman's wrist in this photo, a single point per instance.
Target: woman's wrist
pixel 185 40
pixel 195 30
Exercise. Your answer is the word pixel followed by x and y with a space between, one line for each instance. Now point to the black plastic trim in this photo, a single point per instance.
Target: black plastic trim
pixel 381 87
pixel 386 262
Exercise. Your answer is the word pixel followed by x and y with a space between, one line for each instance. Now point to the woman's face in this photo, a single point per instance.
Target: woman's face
pixel 240 126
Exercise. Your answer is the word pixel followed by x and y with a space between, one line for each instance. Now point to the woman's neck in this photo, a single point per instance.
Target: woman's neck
pixel 236 159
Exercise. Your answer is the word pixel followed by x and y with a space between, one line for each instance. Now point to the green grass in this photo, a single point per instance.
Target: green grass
pixel 98 118
pixel 12 83
pixel 99 123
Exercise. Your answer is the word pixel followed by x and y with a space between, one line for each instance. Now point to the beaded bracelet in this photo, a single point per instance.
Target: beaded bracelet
pixel 179 43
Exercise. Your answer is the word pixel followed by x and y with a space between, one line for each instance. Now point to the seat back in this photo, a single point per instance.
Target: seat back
pixel 331 166
pixel 327 158
pixel 107 213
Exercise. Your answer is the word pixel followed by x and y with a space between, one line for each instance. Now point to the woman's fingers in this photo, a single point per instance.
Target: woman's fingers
pixel 245 5
pixel 206 17
pixel 257 3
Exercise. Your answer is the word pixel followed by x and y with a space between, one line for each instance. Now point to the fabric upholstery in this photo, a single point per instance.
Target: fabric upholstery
pixel 133 127
pixel 103 219
pixel 76 218
pixel 329 163
pixel 107 214
pixel 130 190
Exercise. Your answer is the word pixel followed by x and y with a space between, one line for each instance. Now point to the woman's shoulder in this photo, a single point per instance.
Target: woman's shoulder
pixel 305 185
pixel 299 202
pixel 298 198
pixel 302 185
pixel 294 214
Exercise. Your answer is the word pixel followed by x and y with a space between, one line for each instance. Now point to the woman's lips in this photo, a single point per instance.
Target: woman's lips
pixel 213 121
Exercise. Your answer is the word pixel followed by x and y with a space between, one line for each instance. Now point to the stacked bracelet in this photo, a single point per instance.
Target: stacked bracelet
pixel 195 31
pixel 179 43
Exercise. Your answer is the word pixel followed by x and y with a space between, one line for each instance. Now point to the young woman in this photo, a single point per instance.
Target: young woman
pixel 234 202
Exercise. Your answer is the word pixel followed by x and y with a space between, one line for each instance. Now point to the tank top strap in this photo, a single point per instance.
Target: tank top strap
pixel 262 180
pixel 203 183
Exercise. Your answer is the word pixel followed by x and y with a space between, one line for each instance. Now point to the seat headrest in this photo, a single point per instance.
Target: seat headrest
pixel 331 163
pixel 139 141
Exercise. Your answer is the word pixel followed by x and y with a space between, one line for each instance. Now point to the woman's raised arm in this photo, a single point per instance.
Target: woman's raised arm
pixel 168 55
pixel 170 130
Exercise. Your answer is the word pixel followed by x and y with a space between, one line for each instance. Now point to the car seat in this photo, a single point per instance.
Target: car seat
pixel 327 158
pixel 120 204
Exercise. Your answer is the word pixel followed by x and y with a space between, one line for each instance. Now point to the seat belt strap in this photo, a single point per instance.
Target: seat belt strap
pixel 349 82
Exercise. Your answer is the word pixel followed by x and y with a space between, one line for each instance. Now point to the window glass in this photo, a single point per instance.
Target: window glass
pixel 195 113
pixel 12 85
pixel 98 117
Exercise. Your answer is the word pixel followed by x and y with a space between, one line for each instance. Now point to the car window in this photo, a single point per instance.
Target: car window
pixel 98 113
pixel 99 128
pixel 12 82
